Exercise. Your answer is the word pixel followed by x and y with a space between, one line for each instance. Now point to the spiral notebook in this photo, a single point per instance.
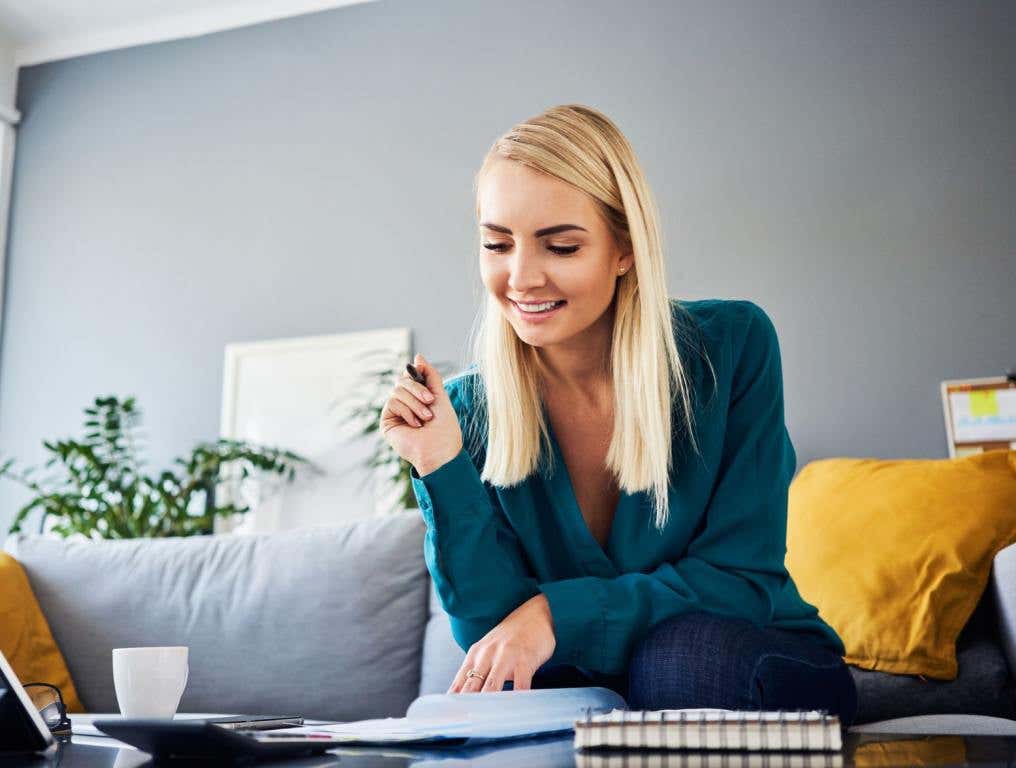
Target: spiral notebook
pixel 656 759
pixel 710 729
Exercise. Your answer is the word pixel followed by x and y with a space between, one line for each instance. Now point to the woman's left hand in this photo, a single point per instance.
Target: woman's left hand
pixel 513 650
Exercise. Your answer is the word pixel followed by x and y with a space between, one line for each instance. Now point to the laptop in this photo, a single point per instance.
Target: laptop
pixel 22 729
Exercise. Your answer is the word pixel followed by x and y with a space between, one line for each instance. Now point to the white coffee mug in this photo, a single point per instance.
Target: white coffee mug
pixel 149 681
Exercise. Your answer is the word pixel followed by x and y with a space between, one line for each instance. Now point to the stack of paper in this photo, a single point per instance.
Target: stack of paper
pixel 470 718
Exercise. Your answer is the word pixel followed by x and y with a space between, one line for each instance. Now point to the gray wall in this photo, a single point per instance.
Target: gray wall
pixel 847 165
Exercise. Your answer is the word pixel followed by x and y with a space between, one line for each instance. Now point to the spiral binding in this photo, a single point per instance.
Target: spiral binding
pixel 605 732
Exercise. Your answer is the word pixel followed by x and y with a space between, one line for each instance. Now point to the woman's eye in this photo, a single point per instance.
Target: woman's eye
pixel 560 250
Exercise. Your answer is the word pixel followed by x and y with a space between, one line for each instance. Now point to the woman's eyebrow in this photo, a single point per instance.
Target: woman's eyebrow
pixel 538 233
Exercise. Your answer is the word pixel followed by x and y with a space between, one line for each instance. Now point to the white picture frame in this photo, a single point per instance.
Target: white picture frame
pixel 297 394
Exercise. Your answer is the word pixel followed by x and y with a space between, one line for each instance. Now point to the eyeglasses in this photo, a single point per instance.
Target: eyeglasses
pixel 48 700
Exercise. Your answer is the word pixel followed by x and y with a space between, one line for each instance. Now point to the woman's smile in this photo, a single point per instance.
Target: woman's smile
pixel 537 313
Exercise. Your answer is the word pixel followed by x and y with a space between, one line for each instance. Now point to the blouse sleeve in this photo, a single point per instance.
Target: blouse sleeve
pixel 734 565
pixel 474 556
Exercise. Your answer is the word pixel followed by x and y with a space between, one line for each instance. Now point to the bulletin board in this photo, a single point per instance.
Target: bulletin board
pixel 980 414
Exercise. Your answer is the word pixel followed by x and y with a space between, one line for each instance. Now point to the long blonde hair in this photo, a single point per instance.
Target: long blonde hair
pixel 583 148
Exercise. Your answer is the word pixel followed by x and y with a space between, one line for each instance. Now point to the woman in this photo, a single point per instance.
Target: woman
pixel 598 509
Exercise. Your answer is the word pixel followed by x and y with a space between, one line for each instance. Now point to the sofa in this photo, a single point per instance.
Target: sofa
pixel 343 623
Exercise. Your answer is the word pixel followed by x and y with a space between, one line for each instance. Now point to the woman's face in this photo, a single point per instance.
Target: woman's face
pixel 544 241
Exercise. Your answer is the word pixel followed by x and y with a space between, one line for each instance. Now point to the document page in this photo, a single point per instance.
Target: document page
pixel 478 716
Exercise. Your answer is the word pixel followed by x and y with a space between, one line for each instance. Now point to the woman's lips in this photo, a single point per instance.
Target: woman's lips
pixel 537 317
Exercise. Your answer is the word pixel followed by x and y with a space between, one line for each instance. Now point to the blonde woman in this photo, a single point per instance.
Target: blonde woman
pixel 605 488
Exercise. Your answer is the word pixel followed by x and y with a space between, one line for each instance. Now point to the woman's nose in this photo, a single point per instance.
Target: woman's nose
pixel 525 271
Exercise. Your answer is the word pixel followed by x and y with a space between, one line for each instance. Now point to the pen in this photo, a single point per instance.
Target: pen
pixel 418 377
pixel 297 737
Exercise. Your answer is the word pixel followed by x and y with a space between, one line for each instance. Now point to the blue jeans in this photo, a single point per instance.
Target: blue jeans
pixel 705 660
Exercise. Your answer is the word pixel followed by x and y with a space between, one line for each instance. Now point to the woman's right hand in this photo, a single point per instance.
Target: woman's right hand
pixel 419 422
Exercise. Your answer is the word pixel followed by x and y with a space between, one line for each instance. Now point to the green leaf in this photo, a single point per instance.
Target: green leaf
pixel 100 491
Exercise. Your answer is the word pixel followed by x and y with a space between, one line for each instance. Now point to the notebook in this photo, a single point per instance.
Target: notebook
pixel 656 759
pixel 710 729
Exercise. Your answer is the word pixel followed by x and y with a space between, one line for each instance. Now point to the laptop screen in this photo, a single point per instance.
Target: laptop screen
pixel 21 725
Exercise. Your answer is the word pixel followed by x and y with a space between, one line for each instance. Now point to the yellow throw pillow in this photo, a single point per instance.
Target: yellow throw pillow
pixel 895 554
pixel 25 638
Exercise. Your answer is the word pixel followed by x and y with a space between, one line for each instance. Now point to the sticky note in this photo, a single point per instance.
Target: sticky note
pixel 983 402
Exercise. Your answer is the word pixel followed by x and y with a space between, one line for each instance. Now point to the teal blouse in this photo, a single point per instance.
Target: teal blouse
pixel 489 549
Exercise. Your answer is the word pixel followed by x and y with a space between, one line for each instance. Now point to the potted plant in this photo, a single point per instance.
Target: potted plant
pixel 101 490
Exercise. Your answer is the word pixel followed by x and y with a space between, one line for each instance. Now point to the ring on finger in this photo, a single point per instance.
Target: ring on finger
pixel 474 673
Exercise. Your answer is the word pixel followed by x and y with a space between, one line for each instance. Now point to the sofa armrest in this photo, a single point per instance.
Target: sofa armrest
pixel 1003 581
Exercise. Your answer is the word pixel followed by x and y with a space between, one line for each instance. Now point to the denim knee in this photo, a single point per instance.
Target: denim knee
pixel 790 682
pixel 706 660
pixel 685 662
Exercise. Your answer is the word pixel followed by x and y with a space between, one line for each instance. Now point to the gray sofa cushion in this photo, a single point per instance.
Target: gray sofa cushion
pixel 1003 583
pixel 327 623
pixel 982 686
pixel 442 656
